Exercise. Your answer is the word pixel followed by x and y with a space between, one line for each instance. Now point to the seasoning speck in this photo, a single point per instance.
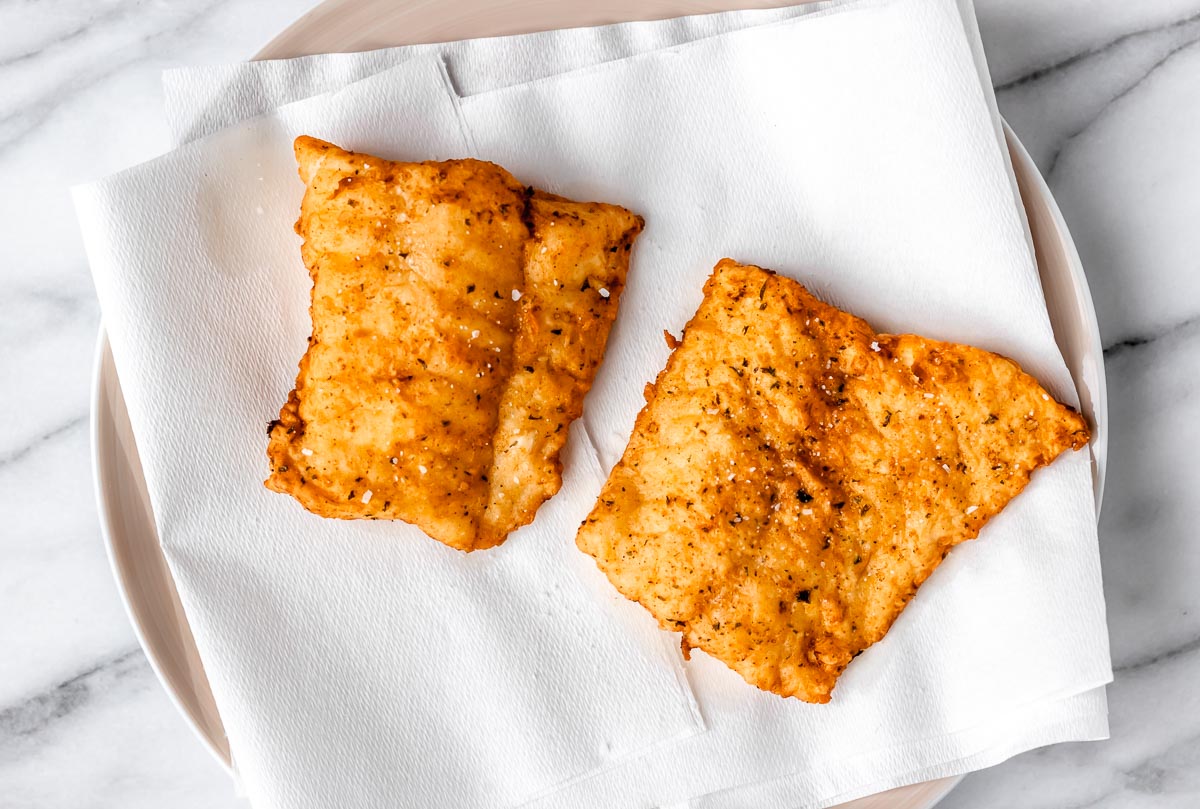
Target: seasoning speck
pixel 516 294
pixel 422 468
pixel 972 509
pixel 928 395
pixel 874 346
pixel 366 498
pixel 306 451
pixel 604 293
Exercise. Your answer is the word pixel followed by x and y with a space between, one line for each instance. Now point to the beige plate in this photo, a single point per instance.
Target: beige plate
pixel 126 519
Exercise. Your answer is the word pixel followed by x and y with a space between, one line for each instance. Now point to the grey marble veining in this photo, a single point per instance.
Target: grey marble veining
pixel 1106 96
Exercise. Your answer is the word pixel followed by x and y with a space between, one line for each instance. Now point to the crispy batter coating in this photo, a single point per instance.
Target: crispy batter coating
pixel 575 269
pixel 794 477
pixel 430 288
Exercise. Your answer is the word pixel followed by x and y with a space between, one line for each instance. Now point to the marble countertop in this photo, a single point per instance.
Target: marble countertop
pixel 1106 96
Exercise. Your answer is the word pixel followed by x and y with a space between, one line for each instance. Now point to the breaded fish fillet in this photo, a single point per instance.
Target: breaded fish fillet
pixel 435 286
pixel 794 477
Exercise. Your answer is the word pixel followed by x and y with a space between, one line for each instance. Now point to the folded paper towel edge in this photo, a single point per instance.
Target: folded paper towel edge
pixel 1088 722
pixel 174 77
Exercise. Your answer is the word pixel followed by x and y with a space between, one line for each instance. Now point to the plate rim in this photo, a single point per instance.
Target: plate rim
pixel 102 404
pixel 99 403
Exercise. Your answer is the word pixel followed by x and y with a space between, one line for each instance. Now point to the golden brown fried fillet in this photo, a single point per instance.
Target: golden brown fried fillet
pixel 575 269
pixel 417 269
pixel 794 477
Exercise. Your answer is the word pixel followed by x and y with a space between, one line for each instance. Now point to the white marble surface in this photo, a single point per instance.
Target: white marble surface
pixel 1106 95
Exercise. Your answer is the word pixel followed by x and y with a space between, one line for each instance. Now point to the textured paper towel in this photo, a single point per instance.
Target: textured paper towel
pixel 855 152
pixel 354 663
pixel 779 751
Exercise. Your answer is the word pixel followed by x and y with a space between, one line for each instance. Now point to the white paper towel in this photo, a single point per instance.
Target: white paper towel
pixel 855 152
pixel 354 663
pixel 875 223
pixel 202 100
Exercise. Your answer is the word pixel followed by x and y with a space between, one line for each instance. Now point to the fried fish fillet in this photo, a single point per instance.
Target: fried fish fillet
pixel 794 477
pixel 452 341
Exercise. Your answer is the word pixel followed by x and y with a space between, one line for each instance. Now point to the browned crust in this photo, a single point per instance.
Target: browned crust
pixel 356 209
pixel 575 270
pixel 852 477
